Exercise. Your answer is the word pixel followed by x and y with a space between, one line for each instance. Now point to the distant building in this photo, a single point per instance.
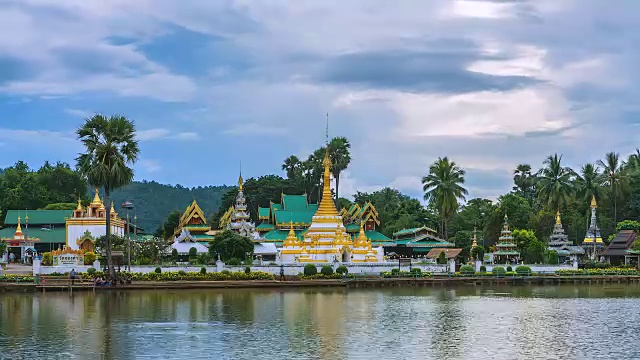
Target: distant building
pixel 415 243
pixel 506 249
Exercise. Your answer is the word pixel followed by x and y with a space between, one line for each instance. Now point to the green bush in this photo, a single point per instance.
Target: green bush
pixel 509 269
pixel 144 261
pixel 47 259
pixel 182 272
pixel 467 269
pixel 498 270
pixel 395 271
pixel 89 258
pixel 226 272
pixel 442 258
pixel 342 270
pixel 523 270
pixel 483 268
pixel 203 259
pixel 158 270
pixel 91 271
pixel 416 271
pixel 326 270
pixel 195 276
pixel 551 257
pixel 174 255
pixel 247 270
pixel 234 262
pixel 203 270
pixel 310 269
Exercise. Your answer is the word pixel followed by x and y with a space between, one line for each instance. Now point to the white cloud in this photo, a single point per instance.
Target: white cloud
pixel 161 133
pixel 150 166
pixel 79 113
pixel 478 9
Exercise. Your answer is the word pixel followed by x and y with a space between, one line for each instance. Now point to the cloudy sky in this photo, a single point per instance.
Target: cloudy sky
pixel 211 83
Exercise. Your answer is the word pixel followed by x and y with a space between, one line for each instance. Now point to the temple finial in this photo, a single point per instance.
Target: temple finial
pixel 327 131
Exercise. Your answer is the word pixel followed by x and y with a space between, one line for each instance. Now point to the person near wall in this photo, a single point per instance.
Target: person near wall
pixel 72 276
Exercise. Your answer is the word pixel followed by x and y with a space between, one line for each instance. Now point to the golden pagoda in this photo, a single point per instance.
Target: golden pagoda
pixel 327 239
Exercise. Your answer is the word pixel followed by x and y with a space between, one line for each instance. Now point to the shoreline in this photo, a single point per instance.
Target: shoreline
pixel 335 283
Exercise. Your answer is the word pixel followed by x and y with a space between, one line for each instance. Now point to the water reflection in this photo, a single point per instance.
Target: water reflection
pixel 466 323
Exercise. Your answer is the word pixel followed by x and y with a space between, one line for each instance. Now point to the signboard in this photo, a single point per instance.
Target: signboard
pixel 404 261
pixel 68 259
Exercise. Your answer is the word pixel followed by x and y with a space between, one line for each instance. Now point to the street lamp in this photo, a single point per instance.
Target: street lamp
pixel 128 205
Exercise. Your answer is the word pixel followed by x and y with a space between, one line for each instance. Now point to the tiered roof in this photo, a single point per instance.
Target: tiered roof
pixel 194 221
pixel 594 231
pixel 277 218
pixel 422 239
pixel 505 244
pixel 558 237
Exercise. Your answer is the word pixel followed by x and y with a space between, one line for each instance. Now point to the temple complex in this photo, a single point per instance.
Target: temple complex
pixel 326 239
pixel 88 224
pixel 276 219
pixel 505 247
pixel 559 242
pixel 237 218
pixel 193 226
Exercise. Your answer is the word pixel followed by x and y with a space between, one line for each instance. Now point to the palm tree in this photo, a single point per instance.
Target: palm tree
pixel 523 180
pixel 615 177
pixel 554 182
pixel 293 166
pixel 340 158
pixel 111 148
pixel 589 183
pixel 443 188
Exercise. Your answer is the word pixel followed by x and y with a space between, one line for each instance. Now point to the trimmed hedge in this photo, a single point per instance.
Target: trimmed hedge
pixel 342 270
pixel 310 270
pixel 498 270
pixel 467 269
pixel 483 268
pixel 509 268
pixel 523 270
pixel 326 270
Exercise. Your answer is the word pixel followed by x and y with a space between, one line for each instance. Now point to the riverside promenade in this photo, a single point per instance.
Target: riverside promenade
pixel 372 282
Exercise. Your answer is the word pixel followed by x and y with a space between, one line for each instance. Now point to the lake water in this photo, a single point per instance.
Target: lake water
pixel 563 322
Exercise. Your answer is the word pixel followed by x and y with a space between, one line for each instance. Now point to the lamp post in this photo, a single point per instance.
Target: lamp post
pixel 128 205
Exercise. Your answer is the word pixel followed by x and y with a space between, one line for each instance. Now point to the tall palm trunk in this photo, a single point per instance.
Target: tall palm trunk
pixel 337 176
pixel 112 270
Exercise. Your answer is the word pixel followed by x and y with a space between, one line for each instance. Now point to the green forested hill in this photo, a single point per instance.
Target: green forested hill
pixel 154 201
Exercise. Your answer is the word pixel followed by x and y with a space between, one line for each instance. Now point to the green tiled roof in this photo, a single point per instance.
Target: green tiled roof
pixel 57 235
pixel 263 213
pixel 265 226
pixel 202 237
pixel 276 207
pixel 312 207
pixel 38 217
pixel 506 252
pixel 430 243
pixel 294 202
pixel 352 227
pixel 376 236
pixel 301 217
pixel 281 235
pixel 505 245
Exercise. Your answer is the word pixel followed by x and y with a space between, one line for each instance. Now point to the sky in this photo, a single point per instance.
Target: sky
pixel 212 84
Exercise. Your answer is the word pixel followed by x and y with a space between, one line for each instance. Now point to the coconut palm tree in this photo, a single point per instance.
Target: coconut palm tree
pixel 293 167
pixel 615 177
pixel 524 180
pixel 443 189
pixel 554 182
pixel 340 158
pixel 110 149
pixel 589 183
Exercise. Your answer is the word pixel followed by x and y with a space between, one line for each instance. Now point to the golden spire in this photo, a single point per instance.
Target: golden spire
pixel 593 202
pixel 327 207
pixel 112 211
pixel 18 232
pixel 240 181
pixel 291 239
pixel 79 208
pixel 474 243
pixel 362 237
pixel 96 198
pixel 558 222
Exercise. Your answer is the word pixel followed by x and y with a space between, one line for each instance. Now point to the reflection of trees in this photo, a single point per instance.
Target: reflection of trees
pixel 448 326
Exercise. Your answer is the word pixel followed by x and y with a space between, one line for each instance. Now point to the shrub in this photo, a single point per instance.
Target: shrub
pixel 467 269
pixel 204 259
pixel 509 269
pixel 182 272
pixel 326 270
pixel 226 272
pixel 310 269
pixel 416 271
pixel 498 270
pixel 91 271
pixel 193 252
pixel 247 270
pixel 523 270
pixel 342 270
pixel 203 270
pixel 442 258
pixel 395 271
pixel 234 262
pixel 89 257
pixel 483 268
pixel 174 255
pixel 47 259
pixel 551 257
pixel 144 261
pixel 158 270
